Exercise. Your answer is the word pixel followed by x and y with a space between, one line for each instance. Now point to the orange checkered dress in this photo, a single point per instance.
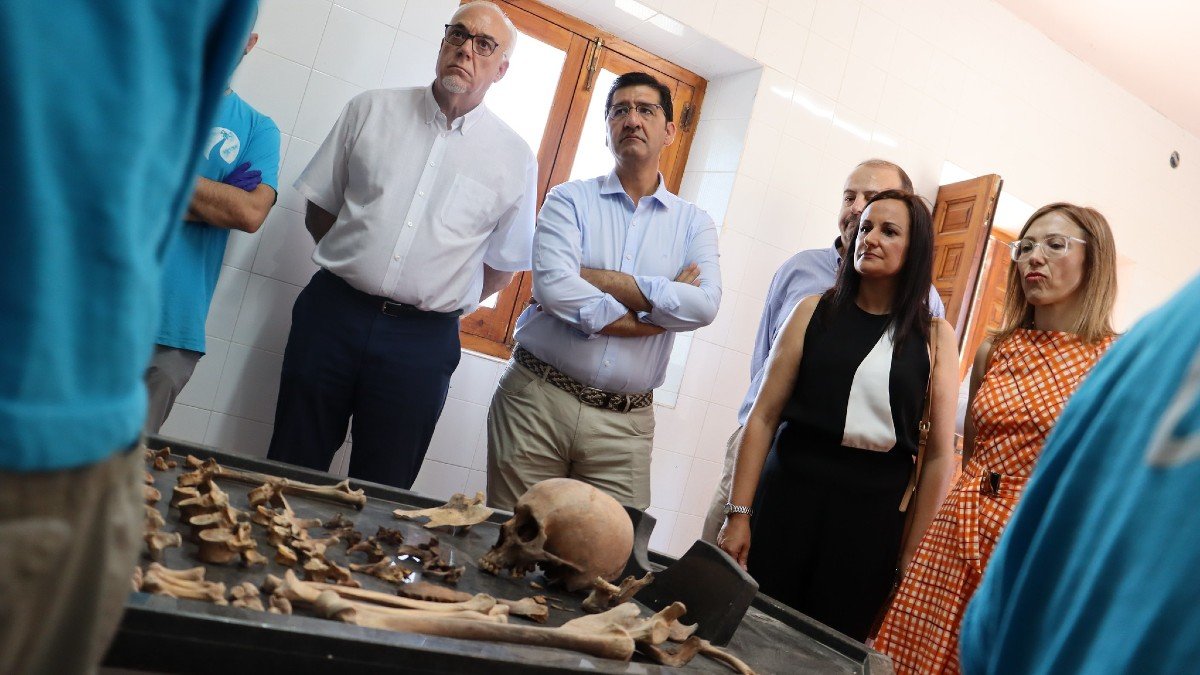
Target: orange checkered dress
pixel 1031 376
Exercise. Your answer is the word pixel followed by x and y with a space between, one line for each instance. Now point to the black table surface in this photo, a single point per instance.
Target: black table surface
pixel 164 634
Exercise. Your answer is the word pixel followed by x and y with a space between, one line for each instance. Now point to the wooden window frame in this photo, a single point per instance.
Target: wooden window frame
pixel 588 49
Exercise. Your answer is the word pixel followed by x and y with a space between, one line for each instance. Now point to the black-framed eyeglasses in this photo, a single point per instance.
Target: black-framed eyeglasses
pixel 481 44
pixel 618 111
pixel 1053 246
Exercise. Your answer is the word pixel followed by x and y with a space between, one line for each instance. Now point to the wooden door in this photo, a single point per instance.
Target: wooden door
pixel 962 219
pixel 988 308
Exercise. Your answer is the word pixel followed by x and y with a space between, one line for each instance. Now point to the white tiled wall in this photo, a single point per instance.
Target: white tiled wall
pixel 828 82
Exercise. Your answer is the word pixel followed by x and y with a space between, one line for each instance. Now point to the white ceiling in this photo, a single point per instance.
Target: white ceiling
pixel 1150 48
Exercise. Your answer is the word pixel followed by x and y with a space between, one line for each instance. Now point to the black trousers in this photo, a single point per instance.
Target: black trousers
pixel 346 359
pixel 825 537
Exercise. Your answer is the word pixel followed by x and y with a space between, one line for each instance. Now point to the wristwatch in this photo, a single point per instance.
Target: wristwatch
pixel 735 508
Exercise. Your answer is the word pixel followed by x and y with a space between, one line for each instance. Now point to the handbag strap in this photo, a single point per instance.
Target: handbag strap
pixel 923 427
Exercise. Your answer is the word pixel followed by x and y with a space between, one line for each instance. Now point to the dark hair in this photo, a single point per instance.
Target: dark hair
pixel 910 306
pixel 906 183
pixel 635 79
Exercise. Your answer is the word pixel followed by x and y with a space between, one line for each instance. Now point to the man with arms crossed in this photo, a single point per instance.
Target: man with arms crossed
pixel 806 273
pixel 619 265
pixel 235 191
pixel 422 204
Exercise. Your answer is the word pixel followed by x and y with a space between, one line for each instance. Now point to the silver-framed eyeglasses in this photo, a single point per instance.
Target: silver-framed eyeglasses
pixel 481 44
pixel 1053 246
pixel 619 111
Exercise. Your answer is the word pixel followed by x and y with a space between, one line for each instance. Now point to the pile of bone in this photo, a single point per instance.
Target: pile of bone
pixel 156 539
pixel 294 546
pixel 221 531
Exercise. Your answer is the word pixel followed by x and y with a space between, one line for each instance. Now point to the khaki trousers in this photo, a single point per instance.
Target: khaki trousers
pixel 537 431
pixel 68 543
pixel 716 511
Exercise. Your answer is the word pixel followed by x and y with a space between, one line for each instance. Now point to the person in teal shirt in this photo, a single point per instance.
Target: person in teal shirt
pixel 236 188
pixel 1097 571
pixel 105 107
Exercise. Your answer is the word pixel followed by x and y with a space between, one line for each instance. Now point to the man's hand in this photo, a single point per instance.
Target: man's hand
pixel 690 275
pixel 244 177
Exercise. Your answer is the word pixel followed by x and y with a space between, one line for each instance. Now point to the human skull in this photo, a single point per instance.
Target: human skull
pixel 573 531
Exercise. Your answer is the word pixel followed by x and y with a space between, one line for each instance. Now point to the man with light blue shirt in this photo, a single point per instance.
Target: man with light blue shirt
pixel 105 107
pixel 619 265
pixel 236 188
pixel 807 273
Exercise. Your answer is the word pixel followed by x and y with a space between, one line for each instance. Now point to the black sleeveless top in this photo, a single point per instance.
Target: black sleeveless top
pixel 857 398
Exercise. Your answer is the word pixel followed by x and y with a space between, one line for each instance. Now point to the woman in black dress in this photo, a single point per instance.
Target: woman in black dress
pixel 839 412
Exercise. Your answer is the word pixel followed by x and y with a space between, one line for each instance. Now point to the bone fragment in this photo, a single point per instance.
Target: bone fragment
pixel 150 494
pixel 605 595
pixel 136 579
pixel 609 641
pixel 473 603
pixel 157 541
pixel 384 569
pixel 246 595
pixel 677 658
pixel 717 654
pixel 655 629
pixel 285 556
pixel 154 519
pixel 532 608
pixel 160 580
pixel 458 512
pixel 279 605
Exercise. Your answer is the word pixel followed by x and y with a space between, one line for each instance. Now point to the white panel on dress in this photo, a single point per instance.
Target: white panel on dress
pixel 869 424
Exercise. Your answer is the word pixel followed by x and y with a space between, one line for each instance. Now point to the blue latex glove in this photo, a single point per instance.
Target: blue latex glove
pixel 244 177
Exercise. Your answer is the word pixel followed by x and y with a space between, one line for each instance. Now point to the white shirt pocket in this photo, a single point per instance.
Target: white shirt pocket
pixel 469 207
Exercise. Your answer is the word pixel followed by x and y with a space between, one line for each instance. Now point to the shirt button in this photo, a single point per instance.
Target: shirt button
pixel 395 257
pixel 409 223
pixel 421 193
pixel 607 364
pixel 629 257
pixel 432 164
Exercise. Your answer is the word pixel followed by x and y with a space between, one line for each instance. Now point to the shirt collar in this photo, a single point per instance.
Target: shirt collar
pixel 463 124
pixel 612 185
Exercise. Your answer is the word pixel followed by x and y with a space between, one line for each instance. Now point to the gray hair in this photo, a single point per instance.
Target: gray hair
pixel 512 30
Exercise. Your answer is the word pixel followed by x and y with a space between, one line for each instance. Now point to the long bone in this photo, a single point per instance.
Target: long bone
pixel 532 608
pixel 609 640
pixel 158 579
pixel 307 592
pixel 340 493
pixel 480 602
pixel 605 595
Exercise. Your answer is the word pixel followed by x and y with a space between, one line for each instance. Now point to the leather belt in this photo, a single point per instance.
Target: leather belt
pixel 597 398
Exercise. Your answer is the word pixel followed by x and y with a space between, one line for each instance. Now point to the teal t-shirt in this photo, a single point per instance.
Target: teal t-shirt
pixel 104 107
pixel 1099 569
pixel 240 134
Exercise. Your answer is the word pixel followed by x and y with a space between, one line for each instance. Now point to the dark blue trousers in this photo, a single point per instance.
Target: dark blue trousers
pixel 346 359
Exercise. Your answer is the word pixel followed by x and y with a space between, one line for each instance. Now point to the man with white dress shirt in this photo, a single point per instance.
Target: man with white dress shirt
pixel 422 204
pixel 619 266
pixel 806 273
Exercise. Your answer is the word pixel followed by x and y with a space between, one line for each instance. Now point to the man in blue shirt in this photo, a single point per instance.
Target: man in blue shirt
pixel 619 265
pixel 236 189
pixel 105 106
pixel 806 273
pixel 1097 570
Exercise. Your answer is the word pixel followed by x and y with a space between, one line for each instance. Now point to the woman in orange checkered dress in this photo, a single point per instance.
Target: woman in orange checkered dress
pixel 1057 324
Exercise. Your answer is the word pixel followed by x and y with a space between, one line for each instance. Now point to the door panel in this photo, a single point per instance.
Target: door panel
pixel 987 310
pixel 962 220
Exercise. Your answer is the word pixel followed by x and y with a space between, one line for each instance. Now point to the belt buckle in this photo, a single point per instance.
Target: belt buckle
pixel 628 403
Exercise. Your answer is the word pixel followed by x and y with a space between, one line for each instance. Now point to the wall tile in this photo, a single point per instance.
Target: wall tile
pixel 285 141
pixel 292 28
pixel 823 66
pixel 744 327
pixel 900 105
pixel 730 97
pixel 862 87
pixel 427 19
pixel 300 153
pixel 249 385
pixel 735 257
pixel 226 303
pixel 713 190
pixel 668 477
pixel 266 315
pixel 273 85
pixel 783 217
pixel 695 14
pixel 413 62
pixel 874 38
pixel 186 423
pixel 781 44
pixel 836 20
pixel 324 100
pixel 238 435
pixel 685 533
pixel 457 430
pixel 912 58
pixel 720 422
pixel 745 204
pixel 285 253
pixel 850 138
pixel 354 48
pixel 678 429
pixel 439 480
pixel 947 77
pixel 201 389
pixel 758 154
pixel 717 145
pixel 475 379
pixel 718 330
pixel 774 98
pixel 240 250
pixel 733 378
pixel 795 170
pixel 386 11
pixel 701 486
pixel 664 526
pixel 737 23
pixel 476 482
pixel 800 11
pixel 704 358
pixel 810 116
pixel 766 259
